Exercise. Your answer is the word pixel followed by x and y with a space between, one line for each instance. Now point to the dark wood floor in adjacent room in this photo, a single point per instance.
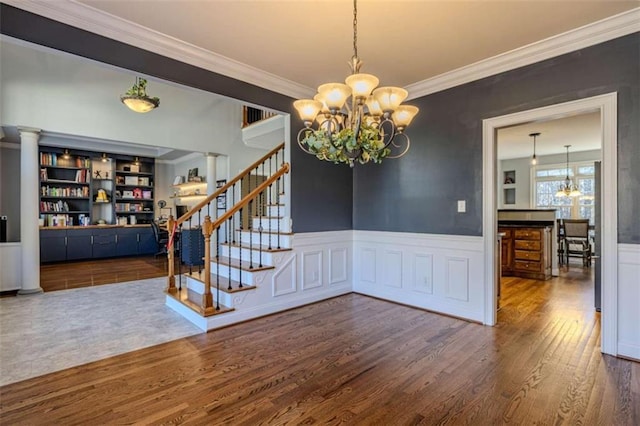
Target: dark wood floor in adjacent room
pixel 358 360
pixel 87 273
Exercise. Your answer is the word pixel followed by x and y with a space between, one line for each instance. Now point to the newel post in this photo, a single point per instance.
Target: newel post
pixel 207 297
pixel 171 281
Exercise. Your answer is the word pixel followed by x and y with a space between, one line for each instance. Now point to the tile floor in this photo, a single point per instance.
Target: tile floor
pixel 53 331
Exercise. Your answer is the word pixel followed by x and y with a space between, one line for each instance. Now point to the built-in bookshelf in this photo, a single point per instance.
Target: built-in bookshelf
pixel 79 188
pixel 65 181
pixel 134 186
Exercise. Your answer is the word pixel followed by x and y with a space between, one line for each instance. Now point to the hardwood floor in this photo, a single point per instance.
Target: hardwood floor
pixel 86 273
pixel 358 360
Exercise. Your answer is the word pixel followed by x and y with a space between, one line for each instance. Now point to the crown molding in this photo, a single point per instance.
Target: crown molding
pixel 87 18
pixel 588 35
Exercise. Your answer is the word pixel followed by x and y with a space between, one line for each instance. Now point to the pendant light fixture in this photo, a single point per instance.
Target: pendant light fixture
pixel 534 159
pixel 568 189
pixel 104 157
pixel 66 155
pixel 136 97
pixel 355 122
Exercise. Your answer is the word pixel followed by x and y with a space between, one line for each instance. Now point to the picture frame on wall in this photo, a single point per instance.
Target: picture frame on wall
pixel 192 174
pixel 222 202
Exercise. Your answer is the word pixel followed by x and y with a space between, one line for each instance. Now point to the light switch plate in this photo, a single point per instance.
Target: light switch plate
pixel 462 206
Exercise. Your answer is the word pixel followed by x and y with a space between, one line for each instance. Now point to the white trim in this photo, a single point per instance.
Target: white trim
pixel 588 35
pixel 99 22
pixel 607 105
pixel 629 322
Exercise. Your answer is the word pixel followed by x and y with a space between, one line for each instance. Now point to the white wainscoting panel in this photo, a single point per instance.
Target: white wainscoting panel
pixel 392 271
pixel 339 265
pixel 423 273
pixel 457 278
pixel 441 273
pixel 311 269
pixel 629 300
pixel 284 279
pixel 367 265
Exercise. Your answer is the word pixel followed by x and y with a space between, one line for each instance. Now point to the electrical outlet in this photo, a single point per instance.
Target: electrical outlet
pixel 462 206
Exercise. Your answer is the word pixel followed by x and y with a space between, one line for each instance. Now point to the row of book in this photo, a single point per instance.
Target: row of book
pixel 81 176
pixel 56 220
pixel 51 159
pixel 129 207
pixel 57 206
pixel 56 191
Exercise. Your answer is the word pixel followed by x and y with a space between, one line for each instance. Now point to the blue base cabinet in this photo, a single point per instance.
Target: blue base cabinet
pixel 79 244
pixel 58 245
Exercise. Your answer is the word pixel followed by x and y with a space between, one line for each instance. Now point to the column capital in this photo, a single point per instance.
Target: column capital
pixel 211 154
pixel 25 129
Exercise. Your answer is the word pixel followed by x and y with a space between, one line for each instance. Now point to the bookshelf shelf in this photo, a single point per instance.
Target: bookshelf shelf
pixel 62 198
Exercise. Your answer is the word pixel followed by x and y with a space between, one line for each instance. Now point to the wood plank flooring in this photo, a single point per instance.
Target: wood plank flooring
pixel 87 273
pixel 357 360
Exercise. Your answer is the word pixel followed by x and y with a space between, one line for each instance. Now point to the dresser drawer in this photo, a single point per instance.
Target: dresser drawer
pixel 528 255
pixel 528 234
pixel 527 245
pixel 521 265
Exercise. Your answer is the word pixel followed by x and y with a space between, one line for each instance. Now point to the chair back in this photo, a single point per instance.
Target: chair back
pixel 576 228
pixel 156 230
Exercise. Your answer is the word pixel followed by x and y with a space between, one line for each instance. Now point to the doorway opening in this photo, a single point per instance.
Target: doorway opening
pixel 606 106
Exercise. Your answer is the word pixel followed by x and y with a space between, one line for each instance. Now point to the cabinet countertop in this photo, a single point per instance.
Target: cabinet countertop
pixel 143 225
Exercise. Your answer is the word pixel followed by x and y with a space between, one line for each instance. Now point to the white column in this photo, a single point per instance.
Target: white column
pixel 211 173
pixel 29 210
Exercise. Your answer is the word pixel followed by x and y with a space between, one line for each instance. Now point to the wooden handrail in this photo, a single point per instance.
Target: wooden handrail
pixel 228 185
pixel 250 196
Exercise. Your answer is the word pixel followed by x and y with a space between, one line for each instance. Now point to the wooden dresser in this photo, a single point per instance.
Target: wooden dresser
pixel 526 251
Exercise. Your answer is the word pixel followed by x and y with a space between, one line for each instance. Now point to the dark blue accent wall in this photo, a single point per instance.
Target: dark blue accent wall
pixel 320 192
pixel 418 193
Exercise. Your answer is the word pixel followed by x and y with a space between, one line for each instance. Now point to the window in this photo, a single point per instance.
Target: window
pixel 547 181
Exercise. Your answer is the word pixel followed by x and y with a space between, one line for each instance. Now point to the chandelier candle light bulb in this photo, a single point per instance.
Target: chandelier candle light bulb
pixel 355 121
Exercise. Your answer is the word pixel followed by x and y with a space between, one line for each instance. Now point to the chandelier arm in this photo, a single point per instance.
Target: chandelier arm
pixel 407 141
pixel 392 131
pixel 301 140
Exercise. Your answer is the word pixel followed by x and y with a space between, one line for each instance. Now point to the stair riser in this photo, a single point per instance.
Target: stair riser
pixel 266 259
pixel 247 277
pixel 198 287
pixel 272 224
pixel 274 211
pixel 285 240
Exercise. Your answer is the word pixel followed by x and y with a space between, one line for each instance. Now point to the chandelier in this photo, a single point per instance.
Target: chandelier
pixel 355 121
pixel 136 97
pixel 568 189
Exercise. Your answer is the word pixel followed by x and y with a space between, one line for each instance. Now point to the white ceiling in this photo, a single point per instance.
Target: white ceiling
pixel 402 42
pixel 582 132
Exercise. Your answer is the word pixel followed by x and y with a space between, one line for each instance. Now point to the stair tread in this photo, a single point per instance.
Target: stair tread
pixel 236 264
pixel 268 217
pixel 182 296
pixel 257 247
pixel 264 231
pixel 224 282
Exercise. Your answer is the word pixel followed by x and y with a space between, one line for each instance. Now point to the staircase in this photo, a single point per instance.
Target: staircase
pixel 236 257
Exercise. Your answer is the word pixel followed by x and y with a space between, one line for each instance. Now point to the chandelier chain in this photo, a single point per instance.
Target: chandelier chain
pixel 355 28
